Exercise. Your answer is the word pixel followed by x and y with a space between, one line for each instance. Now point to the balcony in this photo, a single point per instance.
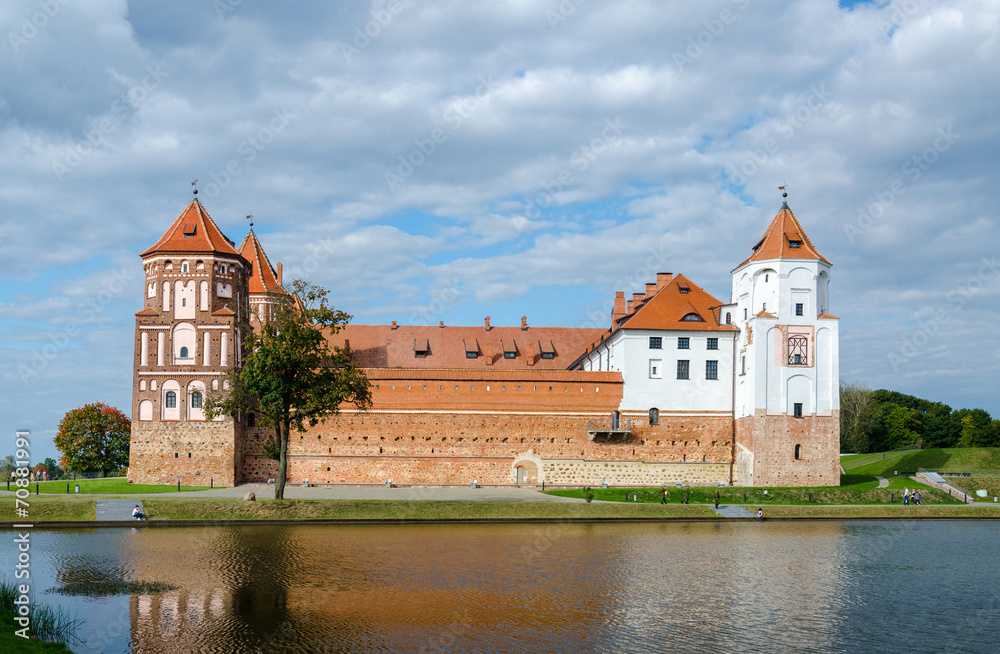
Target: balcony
pixel 613 430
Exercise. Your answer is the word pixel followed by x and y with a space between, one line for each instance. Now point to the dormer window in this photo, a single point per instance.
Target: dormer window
pixel 795 244
pixel 471 348
pixel 684 290
pixel 190 230
pixel 692 317
pixel 420 347
pixel 548 350
pixel 509 349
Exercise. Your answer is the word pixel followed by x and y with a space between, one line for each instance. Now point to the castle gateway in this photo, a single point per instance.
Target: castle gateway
pixel 680 387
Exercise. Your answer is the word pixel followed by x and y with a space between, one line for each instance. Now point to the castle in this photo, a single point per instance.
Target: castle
pixel 680 387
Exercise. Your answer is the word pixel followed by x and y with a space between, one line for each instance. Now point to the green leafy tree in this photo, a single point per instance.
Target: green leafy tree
pixel 977 429
pixel 902 425
pixel 7 466
pixel 94 438
pixel 291 376
pixel 859 415
pixel 54 471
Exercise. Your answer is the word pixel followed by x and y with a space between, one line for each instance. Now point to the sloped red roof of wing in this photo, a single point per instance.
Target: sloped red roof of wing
pixel 193 231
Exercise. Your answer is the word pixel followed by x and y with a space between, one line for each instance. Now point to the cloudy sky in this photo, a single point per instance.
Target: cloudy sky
pixel 452 160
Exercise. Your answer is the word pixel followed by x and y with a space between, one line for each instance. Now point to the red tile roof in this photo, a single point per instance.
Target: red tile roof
pixel 668 306
pixel 381 346
pixel 193 231
pixel 778 240
pixel 263 279
pixel 224 311
pixel 148 311
pixel 827 316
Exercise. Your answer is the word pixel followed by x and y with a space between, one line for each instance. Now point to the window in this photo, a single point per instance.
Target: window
pixel 683 369
pixel 548 355
pixel 798 351
pixel 655 342
pixel 743 365
pixel 510 355
pixel 654 369
pixel 794 244
pixel 713 344
pixel 196 400
pixel 798 309
pixel 764 307
pixel 251 419
pixel 797 410
pixel 471 355
pixel 184 267
pixel 711 370
pixel 729 318
pixel 420 347
pixel 184 353
pixel 692 317
pixel 654 416
pixel 798 452
pixel 683 343
pixel 684 290
pixel 171 400
pixel 744 314
pixel 766 277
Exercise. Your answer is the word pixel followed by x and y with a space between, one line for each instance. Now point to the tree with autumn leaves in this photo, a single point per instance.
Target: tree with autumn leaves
pixel 94 438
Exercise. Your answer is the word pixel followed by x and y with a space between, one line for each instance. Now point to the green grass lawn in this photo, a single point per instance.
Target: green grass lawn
pixel 972 484
pixel 42 508
pixel 854 489
pixel 11 644
pixel 116 486
pixel 195 509
pixel 955 458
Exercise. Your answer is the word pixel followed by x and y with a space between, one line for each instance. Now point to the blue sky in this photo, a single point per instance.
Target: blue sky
pixel 452 160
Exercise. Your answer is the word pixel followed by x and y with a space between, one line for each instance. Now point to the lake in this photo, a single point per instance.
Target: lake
pixel 878 586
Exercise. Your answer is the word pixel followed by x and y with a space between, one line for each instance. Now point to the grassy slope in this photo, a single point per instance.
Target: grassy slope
pixel 179 509
pixel 956 458
pixel 855 489
pixel 972 484
pixel 106 487
pixel 51 507
pixel 881 511
pixel 11 644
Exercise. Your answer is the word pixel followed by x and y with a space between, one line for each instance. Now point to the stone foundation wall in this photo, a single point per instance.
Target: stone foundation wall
pixel 413 447
pixel 196 452
pixel 633 473
pixel 772 440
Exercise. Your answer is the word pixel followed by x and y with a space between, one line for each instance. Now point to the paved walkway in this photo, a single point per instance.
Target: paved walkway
pixel 429 493
pixel 733 511
pixel 117 509
pixel 882 482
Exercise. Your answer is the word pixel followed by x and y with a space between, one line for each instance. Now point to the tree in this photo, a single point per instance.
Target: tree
pixel 94 438
pixel 291 376
pixel 902 425
pixel 53 467
pixel 858 417
pixel 7 466
pixel 977 429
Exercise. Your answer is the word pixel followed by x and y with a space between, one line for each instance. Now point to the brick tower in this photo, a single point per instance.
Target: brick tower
pixel 787 396
pixel 264 282
pixel 186 337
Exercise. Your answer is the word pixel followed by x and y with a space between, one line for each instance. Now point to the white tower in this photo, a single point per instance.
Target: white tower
pixel 787 400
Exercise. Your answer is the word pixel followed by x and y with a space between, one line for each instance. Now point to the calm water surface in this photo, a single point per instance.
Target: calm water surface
pixel 675 587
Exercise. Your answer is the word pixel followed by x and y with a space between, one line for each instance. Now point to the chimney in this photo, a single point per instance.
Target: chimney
pixel 393 325
pixel 662 279
pixel 637 299
pixel 347 343
pixel 489 353
pixel 628 307
pixel 524 323
pixel 620 310
pixel 650 289
pixel 531 354
pixel 440 323
pixel 279 273
pixel 487 323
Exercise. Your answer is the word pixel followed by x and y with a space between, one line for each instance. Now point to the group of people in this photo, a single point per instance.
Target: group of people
pixel 912 497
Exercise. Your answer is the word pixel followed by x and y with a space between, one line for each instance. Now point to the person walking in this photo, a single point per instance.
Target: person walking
pixel 906 496
pixel 687 494
pixel 920 497
pixel 716 497
pixel 663 495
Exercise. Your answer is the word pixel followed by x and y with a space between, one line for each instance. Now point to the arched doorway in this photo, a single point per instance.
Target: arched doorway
pixel 520 475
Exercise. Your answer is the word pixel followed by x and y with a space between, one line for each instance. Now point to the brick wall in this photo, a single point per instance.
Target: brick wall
pixel 634 473
pixel 159 453
pixel 443 447
pixel 772 441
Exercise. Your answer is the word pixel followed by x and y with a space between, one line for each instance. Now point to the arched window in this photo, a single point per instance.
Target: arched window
pixel 196 400
pixel 184 267
pixel 729 318
pixel 692 317
pixel 171 400
pixel 251 419
pixel 654 416
pixel 798 452
pixel 184 353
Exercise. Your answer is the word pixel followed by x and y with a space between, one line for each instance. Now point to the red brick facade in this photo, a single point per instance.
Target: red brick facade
pixel 774 442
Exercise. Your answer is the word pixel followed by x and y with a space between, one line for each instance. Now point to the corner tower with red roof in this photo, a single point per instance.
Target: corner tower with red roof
pixel 186 337
pixel 787 398
pixel 264 285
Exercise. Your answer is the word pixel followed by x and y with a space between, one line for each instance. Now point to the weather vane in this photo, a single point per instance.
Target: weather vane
pixel 784 193
pixel 250 218
pixel 195 185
